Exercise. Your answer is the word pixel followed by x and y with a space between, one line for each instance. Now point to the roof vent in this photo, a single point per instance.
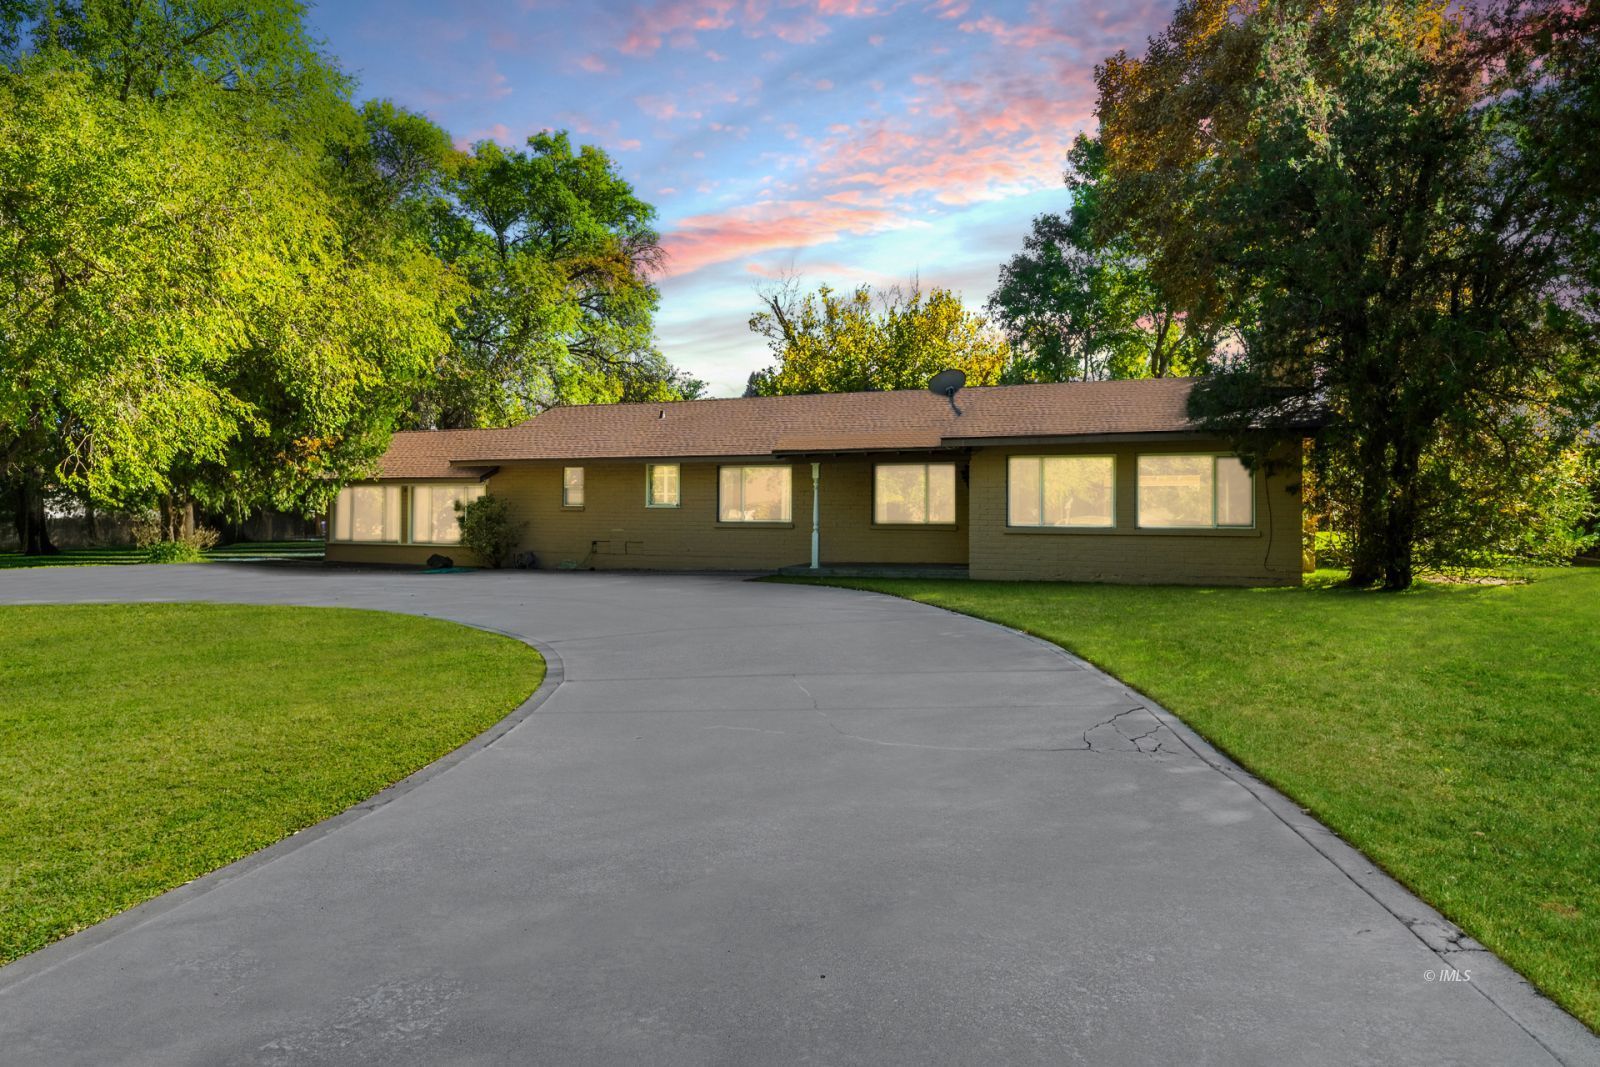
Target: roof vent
pixel 946 383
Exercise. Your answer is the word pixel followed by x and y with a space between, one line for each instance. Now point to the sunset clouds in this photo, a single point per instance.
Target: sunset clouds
pixel 896 136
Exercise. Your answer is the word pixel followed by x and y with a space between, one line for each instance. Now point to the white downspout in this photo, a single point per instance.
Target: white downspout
pixel 816 512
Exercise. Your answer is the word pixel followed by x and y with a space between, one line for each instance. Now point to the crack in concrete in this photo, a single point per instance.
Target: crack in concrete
pixel 1137 741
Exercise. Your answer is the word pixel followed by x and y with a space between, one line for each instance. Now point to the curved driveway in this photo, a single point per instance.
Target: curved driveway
pixel 758 823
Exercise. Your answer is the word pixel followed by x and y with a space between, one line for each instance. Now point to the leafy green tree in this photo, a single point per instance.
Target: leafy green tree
pixel 252 62
pixel 1399 202
pixel 198 314
pixel 558 253
pixel 1076 303
pixel 835 342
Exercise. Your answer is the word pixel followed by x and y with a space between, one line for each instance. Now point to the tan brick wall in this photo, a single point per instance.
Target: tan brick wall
pixel 615 530
pixel 1266 555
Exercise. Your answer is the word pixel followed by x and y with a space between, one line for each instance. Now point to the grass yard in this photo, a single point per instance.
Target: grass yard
pixel 124 554
pixel 143 745
pixel 1452 733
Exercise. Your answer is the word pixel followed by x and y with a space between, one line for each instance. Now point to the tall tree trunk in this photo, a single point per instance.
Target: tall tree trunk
pixel 1367 552
pixel 1400 525
pixel 32 533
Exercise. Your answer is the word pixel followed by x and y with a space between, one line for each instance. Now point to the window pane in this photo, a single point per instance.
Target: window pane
pixel 434 519
pixel 942 492
pixel 341 516
pixel 422 513
pixel 1175 490
pixel 664 484
pixel 766 494
pixel 1023 507
pixel 1234 504
pixel 901 493
pixel 572 487
pixel 753 494
pixel 729 487
pixel 1077 490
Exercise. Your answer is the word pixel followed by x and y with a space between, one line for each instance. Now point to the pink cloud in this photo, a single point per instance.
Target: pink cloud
pixel 628 144
pixel 676 21
pixel 663 108
pixel 1034 34
pixel 703 240
pixel 593 64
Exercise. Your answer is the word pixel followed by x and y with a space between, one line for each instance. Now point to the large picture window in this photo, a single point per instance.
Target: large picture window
pixel 914 493
pixel 753 494
pixel 1183 492
pixel 1061 491
pixel 434 520
pixel 572 487
pixel 367 513
pixel 661 485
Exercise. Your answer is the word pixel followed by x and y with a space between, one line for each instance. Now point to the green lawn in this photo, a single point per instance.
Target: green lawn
pixel 143 745
pixel 1452 733
pixel 122 554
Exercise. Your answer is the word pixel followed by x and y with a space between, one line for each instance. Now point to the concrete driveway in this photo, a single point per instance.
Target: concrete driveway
pixel 754 823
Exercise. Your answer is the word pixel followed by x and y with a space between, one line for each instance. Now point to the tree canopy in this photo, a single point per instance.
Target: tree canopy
pixel 1394 207
pixel 559 254
pixel 228 284
pixel 831 341
pixel 1078 303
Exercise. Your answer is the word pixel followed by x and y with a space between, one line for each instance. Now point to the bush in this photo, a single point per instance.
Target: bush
pixel 187 548
pixel 487 530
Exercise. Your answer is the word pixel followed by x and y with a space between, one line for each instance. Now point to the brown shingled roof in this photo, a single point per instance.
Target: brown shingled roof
pixel 906 419
pixel 423 454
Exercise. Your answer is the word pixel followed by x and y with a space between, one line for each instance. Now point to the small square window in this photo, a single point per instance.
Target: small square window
pixel 661 485
pixel 572 487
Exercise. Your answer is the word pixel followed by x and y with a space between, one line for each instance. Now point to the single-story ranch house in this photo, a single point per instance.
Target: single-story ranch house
pixel 1082 481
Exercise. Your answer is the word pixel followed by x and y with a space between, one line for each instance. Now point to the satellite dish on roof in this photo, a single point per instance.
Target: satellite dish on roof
pixel 946 383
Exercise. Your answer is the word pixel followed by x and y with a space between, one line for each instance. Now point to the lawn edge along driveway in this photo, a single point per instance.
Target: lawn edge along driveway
pixel 154 745
pixel 1453 765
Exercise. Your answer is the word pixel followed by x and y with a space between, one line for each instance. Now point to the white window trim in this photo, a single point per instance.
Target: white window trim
pixel 582 487
pixel 1213 456
pixel 927 490
pixel 649 485
pixel 1041 524
pixel 754 522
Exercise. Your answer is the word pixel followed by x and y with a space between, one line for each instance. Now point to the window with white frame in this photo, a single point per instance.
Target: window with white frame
pixel 914 494
pixel 754 494
pixel 367 513
pixel 661 485
pixel 572 487
pixel 1061 491
pixel 1185 492
pixel 434 519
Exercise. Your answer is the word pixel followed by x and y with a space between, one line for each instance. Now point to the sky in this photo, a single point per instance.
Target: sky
pixel 843 141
